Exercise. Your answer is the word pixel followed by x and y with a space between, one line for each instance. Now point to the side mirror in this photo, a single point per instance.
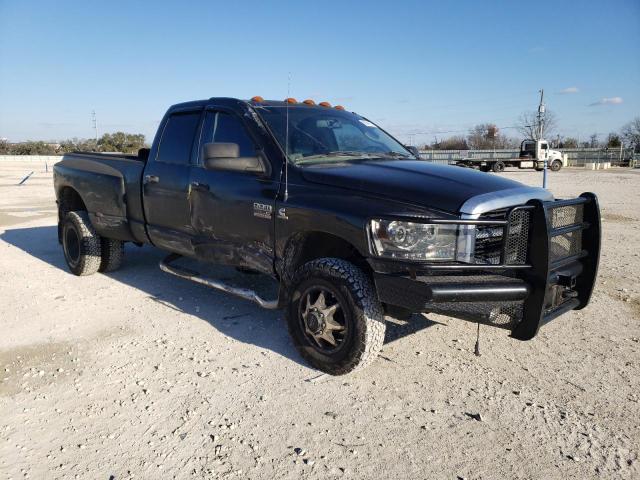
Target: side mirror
pixel 226 156
pixel 413 150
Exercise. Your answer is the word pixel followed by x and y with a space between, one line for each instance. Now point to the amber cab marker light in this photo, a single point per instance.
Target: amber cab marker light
pixel 257 99
pixel 339 107
pixel 325 104
pixel 308 101
pixel 290 100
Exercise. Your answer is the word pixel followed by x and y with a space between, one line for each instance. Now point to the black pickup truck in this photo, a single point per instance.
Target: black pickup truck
pixel 350 223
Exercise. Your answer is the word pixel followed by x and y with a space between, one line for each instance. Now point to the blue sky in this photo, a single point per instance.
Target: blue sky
pixel 411 66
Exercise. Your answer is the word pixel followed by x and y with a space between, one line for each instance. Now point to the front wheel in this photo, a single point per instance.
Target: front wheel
pixel 555 165
pixel 334 316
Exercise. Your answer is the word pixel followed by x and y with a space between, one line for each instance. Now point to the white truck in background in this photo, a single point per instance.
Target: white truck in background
pixel 533 153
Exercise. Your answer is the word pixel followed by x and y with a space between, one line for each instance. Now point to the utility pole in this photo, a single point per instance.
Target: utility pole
pixel 541 110
pixel 95 125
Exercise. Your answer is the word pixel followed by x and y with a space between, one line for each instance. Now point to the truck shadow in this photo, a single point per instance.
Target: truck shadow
pixel 234 317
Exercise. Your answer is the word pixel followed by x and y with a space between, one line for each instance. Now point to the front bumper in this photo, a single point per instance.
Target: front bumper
pixel 553 271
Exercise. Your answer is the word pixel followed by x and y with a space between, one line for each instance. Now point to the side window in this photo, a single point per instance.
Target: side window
pixel 544 146
pixel 225 128
pixel 177 138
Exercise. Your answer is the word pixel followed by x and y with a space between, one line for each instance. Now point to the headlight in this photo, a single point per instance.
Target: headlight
pixel 414 241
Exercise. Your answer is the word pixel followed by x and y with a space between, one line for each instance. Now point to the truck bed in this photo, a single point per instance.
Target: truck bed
pixel 110 188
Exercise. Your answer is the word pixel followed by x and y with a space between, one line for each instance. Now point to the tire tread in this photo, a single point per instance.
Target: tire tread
pixel 90 247
pixel 112 254
pixel 369 312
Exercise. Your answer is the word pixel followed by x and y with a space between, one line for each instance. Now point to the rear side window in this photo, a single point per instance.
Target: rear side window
pixel 225 128
pixel 177 138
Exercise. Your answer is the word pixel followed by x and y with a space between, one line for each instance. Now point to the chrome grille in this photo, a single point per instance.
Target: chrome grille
pixel 490 238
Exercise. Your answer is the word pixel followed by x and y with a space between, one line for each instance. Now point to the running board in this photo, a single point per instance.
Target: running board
pixel 187 274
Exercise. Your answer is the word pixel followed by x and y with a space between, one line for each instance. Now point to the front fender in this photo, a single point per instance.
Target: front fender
pixel 335 211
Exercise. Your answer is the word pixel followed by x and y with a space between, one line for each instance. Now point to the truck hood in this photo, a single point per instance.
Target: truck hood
pixel 442 187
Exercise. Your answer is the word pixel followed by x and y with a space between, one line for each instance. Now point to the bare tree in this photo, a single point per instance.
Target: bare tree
pixel 631 133
pixel 527 125
pixel 569 142
pixel 487 136
pixel 452 143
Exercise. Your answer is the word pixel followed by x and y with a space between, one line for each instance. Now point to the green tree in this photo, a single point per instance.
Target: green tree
pixel 33 148
pixel 78 145
pixel 121 142
pixel 613 141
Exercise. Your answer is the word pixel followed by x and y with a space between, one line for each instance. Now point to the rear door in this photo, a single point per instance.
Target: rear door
pixel 232 212
pixel 166 183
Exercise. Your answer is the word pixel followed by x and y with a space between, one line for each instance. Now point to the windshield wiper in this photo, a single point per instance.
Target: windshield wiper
pixel 396 155
pixel 338 153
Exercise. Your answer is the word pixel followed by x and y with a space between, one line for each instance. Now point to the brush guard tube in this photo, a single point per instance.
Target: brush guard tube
pixel 569 279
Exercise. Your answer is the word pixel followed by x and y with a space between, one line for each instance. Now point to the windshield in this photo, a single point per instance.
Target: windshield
pixel 321 135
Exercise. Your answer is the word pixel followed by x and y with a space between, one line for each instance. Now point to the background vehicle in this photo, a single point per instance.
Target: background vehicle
pixel 343 217
pixel 532 155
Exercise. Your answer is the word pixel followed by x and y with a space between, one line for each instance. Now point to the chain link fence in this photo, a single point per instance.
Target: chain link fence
pixel 577 157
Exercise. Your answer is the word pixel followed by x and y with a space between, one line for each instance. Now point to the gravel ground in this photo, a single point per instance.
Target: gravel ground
pixel 136 374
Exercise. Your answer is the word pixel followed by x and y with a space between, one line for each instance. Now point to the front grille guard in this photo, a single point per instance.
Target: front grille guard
pixel 564 250
pixel 556 254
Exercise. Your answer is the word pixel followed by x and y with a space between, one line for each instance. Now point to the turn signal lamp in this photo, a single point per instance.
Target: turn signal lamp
pixel 339 107
pixel 308 101
pixel 325 104
pixel 290 100
pixel 257 99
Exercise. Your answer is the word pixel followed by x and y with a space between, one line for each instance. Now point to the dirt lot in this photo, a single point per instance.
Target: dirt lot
pixel 136 374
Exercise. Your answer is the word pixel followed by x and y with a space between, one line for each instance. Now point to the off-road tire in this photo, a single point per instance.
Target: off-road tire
pixel 555 166
pixel 365 313
pixel 112 254
pixel 498 167
pixel 80 244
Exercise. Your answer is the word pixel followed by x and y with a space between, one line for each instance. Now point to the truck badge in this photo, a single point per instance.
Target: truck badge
pixel 262 210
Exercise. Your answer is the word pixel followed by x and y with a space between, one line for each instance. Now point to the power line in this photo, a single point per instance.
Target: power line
pixel 468 130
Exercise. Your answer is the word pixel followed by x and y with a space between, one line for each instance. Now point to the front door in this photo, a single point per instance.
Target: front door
pixel 166 184
pixel 232 212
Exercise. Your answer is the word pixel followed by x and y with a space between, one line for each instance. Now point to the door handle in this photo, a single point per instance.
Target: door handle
pixel 199 186
pixel 151 179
